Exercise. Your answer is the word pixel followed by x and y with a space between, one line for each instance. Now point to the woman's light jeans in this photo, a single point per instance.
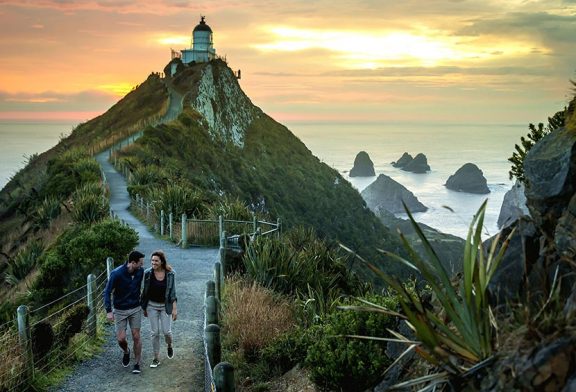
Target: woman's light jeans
pixel 160 321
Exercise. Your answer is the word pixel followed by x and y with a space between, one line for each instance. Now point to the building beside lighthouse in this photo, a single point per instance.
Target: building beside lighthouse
pixel 201 49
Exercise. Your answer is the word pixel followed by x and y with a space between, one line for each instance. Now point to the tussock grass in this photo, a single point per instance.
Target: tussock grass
pixel 254 316
pixel 12 364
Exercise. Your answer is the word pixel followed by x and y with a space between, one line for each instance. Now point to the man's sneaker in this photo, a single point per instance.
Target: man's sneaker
pixel 170 352
pixel 136 368
pixel 154 363
pixel 126 359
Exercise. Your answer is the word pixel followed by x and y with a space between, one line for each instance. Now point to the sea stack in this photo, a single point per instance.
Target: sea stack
pixel 469 178
pixel 363 166
pixel 403 161
pixel 387 194
pixel 417 165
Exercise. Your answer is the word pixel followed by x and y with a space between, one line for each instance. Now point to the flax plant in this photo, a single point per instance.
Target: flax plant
pixel 464 334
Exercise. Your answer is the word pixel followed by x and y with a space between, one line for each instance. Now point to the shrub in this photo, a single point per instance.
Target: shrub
pixel 338 362
pixel 253 317
pixel 230 208
pixel 149 175
pixel 47 211
pixel 78 252
pixel 20 266
pixel 461 332
pixel 70 170
pixel 526 143
pixel 287 350
pixel 90 205
pixel 305 267
pixel 177 199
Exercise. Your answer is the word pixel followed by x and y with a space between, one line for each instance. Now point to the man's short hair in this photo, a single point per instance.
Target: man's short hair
pixel 135 256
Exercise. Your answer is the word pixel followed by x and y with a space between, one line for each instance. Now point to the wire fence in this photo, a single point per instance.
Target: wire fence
pixel 199 232
pixel 50 336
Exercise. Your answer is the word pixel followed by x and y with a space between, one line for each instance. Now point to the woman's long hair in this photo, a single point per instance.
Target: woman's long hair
pixel 163 261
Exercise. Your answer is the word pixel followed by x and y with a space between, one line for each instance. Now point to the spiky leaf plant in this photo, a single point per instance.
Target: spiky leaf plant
pixel 463 333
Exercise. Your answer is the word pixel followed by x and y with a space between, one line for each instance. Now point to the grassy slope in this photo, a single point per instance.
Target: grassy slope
pixel 19 196
pixel 273 166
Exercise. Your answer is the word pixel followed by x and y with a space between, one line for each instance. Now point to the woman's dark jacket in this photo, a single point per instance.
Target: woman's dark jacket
pixel 170 290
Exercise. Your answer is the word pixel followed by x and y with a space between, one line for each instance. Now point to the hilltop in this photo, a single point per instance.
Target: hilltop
pixel 220 147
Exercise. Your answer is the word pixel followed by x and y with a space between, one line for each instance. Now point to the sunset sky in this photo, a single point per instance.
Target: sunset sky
pixel 480 61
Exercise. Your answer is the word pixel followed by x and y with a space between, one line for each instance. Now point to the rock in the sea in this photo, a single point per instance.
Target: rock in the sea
pixel 363 166
pixel 403 161
pixel 469 178
pixel 417 165
pixel 387 194
pixel 513 205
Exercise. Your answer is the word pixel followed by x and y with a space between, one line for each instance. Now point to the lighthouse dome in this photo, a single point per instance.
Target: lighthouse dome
pixel 202 26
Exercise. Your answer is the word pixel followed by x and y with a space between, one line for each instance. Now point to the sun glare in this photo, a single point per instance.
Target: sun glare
pixel 118 89
pixel 174 40
pixel 373 49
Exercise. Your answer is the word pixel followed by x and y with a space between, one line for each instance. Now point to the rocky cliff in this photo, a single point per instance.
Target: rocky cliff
pixel 540 265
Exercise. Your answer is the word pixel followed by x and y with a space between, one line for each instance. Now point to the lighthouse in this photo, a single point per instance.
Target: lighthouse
pixel 201 49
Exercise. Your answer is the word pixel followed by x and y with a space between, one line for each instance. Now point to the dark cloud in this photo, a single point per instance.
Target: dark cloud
pixel 551 28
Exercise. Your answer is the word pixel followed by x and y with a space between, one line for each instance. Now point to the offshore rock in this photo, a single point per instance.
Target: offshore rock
pixel 363 166
pixel 469 178
pixel 513 205
pixel 387 194
pixel 403 161
pixel 417 165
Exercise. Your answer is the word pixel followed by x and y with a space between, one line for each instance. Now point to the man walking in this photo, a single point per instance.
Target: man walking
pixel 124 283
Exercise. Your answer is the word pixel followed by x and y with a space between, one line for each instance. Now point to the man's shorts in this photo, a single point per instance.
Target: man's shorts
pixel 123 318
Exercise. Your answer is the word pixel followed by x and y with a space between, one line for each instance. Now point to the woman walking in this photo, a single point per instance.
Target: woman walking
pixel 159 303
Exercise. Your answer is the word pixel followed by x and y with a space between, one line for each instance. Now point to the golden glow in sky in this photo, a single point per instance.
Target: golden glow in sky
pixel 375 48
pixel 444 60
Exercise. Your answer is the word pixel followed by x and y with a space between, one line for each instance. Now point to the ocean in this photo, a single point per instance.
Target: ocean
pixel 21 139
pixel 447 147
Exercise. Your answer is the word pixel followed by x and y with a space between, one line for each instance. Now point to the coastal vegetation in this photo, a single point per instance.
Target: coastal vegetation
pixel 334 293
pixel 262 175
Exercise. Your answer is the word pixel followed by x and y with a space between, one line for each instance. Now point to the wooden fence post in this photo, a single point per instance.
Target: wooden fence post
pixel 223 251
pixel 170 225
pixel 220 226
pixel 254 223
pixel 91 302
pixel 211 310
pixel 224 377
pixel 184 231
pixel 210 288
pixel 109 266
pixel 25 341
pixel 217 280
pixel 147 212
pixel 162 223
pixel 212 337
pixel 279 226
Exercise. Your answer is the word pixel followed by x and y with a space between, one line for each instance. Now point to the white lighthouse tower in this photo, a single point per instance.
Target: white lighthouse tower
pixel 201 49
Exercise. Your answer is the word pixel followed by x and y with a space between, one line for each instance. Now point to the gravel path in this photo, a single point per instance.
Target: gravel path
pixel 185 372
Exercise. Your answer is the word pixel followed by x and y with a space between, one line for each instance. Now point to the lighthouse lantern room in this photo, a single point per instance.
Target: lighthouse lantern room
pixel 201 49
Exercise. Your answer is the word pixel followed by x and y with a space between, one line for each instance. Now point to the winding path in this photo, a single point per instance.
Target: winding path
pixel 185 372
